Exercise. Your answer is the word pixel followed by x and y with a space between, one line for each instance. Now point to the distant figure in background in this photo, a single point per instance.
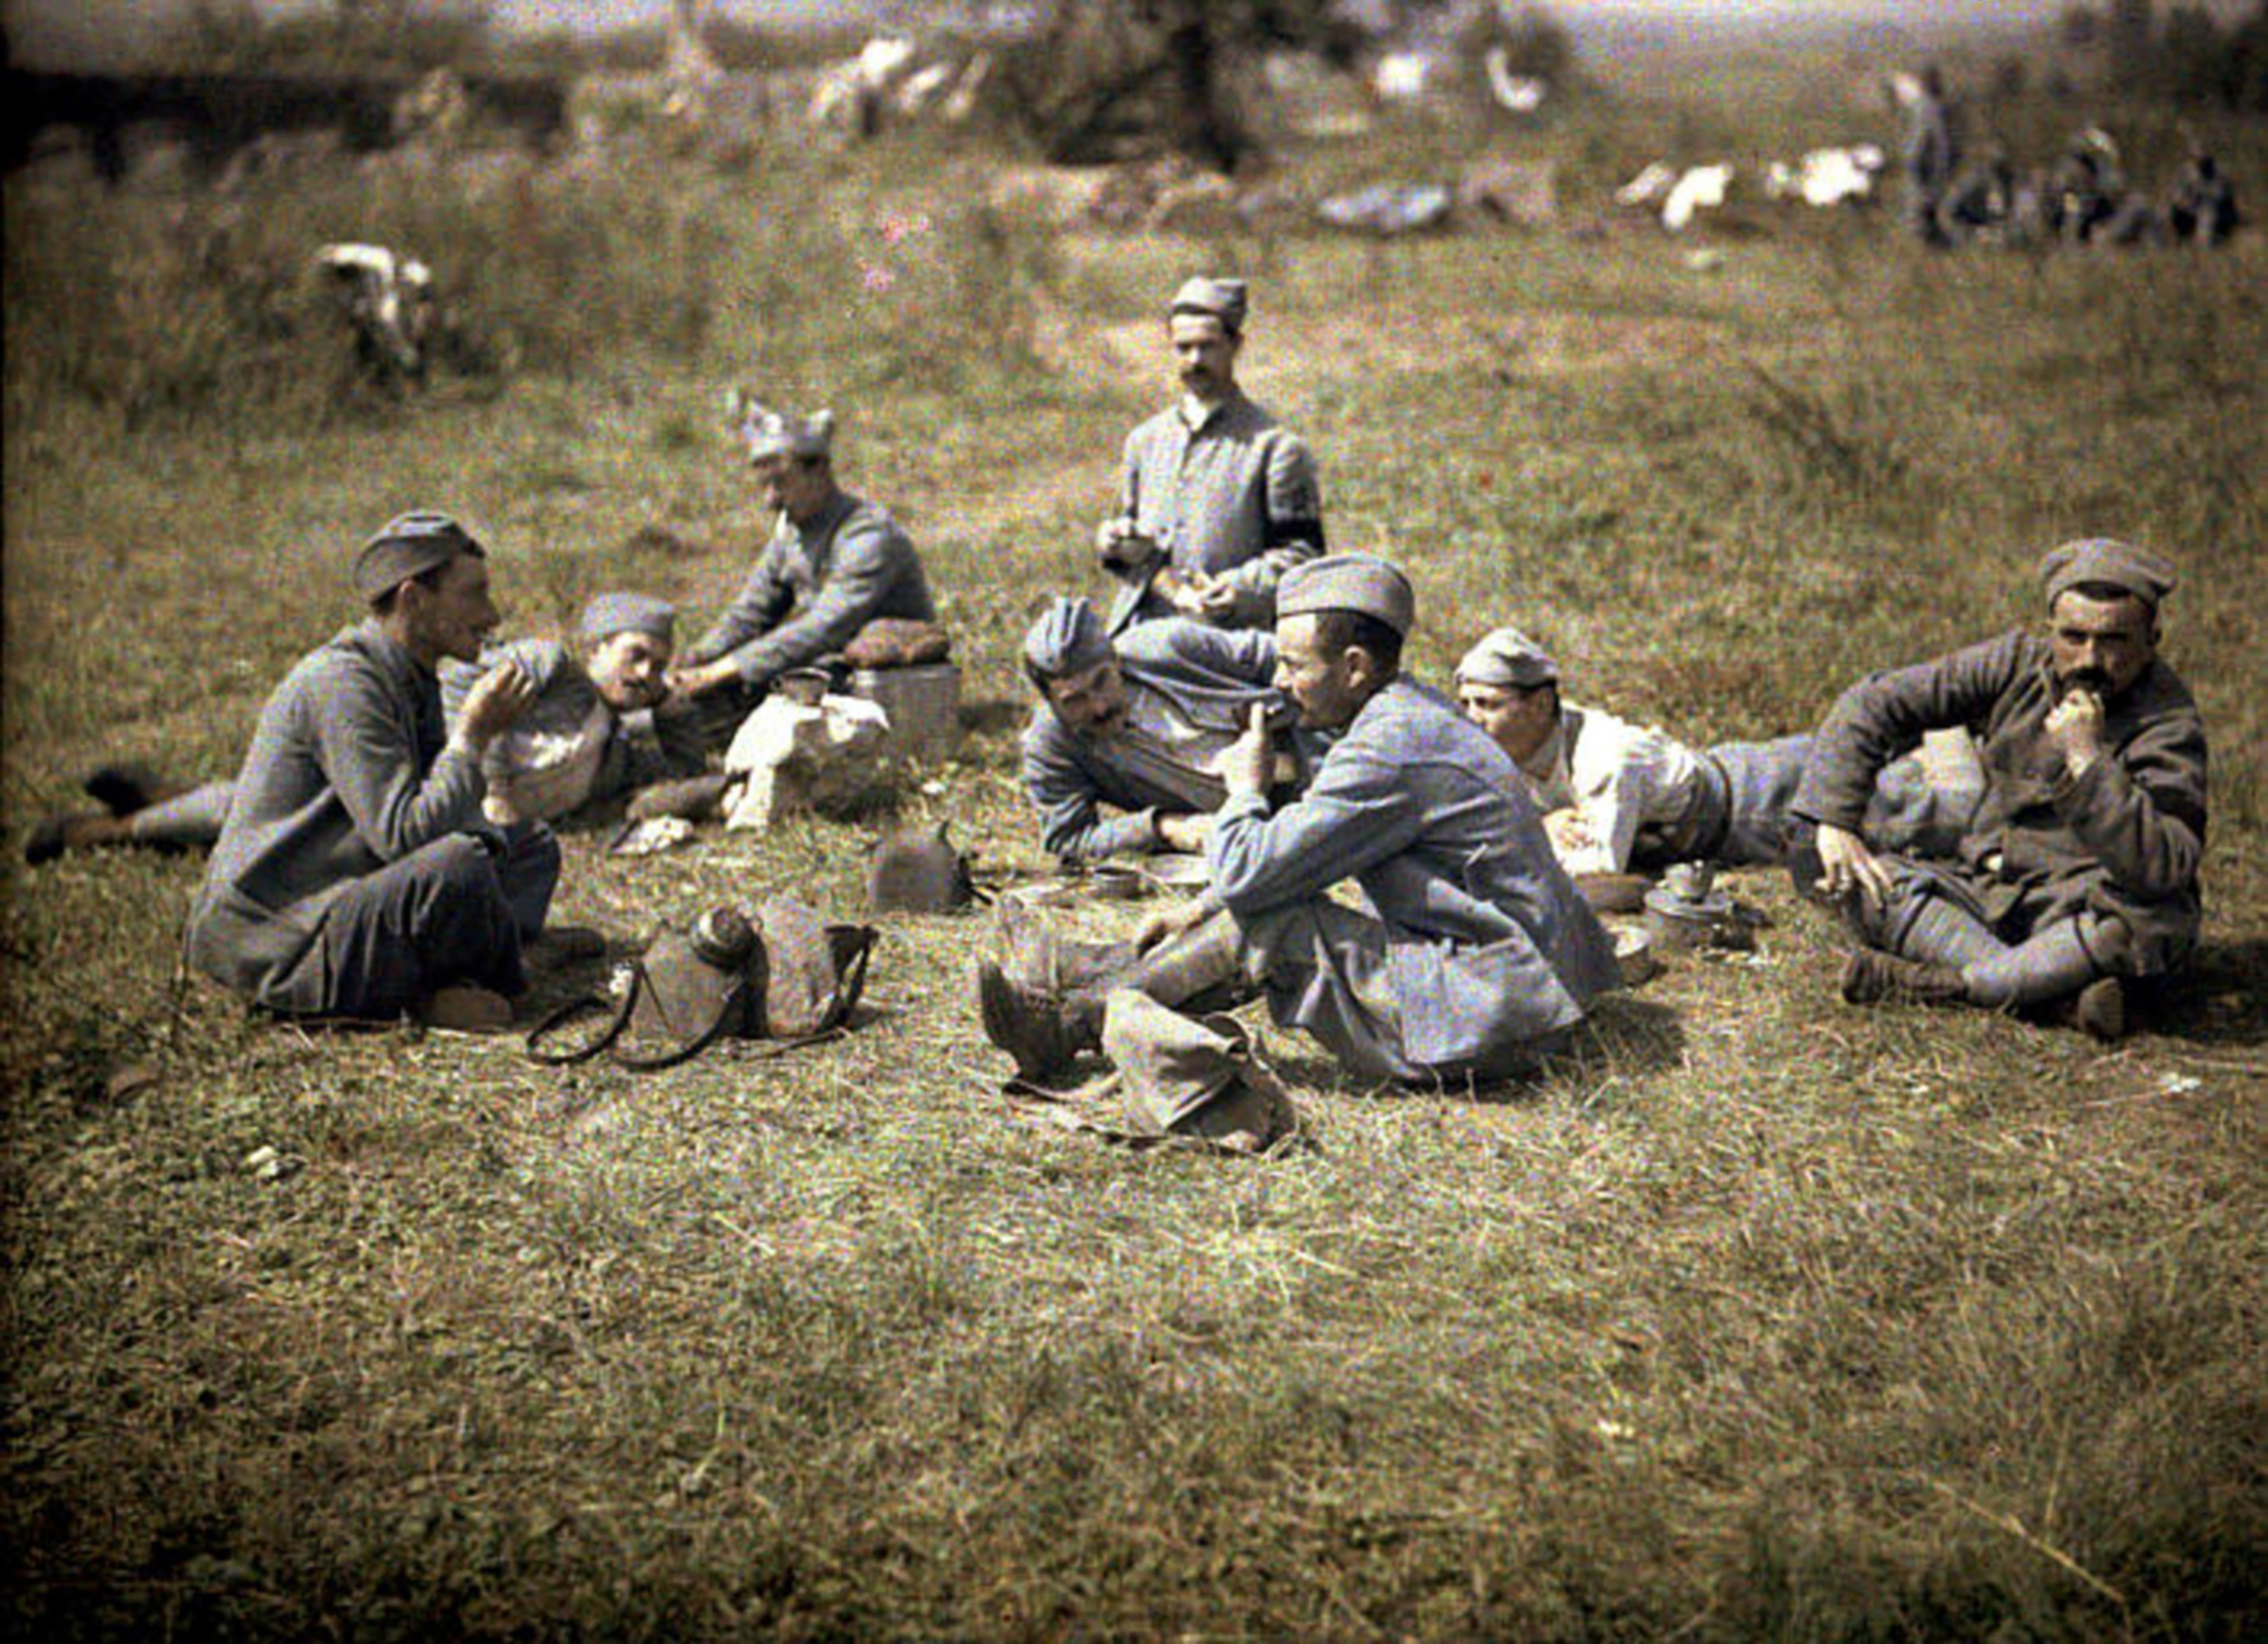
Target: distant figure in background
pixel 1930 153
pixel 1617 796
pixel 1143 725
pixel 588 735
pixel 833 565
pixel 1982 204
pixel 2079 870
pixel 2083 187
pixel 2201 207
pixel 356 876
pixel 1216 499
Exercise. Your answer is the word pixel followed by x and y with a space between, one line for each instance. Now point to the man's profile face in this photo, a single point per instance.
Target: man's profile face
pixel 1326 686
pixel 2100 644
pixel 627 667
pixel 1518 719
pixel 452 618
pixel 1204 356
pixel 793 485
pixel 1092 703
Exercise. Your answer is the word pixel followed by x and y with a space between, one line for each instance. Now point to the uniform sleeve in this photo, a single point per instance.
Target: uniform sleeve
pixel 1291 527
pixel 1620 775
pixel 1356 814
pixel 2142 810
pixel 1072 824
pixel 762 601
pixel 369 756
pixel 1887 714
pixel 871 554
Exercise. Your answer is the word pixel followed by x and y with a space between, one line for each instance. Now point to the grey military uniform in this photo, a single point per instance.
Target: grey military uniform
pixel 1233 494
pixel 2116 847
pixel 1191 689
pixel 811 591
pixel 354 873
pixel 1476 945
pixel 571 748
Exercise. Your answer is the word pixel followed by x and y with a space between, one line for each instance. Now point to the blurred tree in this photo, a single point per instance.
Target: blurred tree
pixel 2080 26
pixel 1098 79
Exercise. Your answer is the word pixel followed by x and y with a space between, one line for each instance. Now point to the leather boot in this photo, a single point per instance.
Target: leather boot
pixel 1202 969
pixel 1870 976
pixel 1043 1031
pixel 2098 1010
pixel 60 833
pixel 126 788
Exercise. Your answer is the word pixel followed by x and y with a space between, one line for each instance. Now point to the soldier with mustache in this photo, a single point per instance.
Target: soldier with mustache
pixel 1216 499
pixel 2079 871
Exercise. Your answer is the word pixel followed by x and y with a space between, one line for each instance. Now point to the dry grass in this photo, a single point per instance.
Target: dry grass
pixel 1754 1317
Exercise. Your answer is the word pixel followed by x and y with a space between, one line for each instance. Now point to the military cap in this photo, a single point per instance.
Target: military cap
pixel 776 433
pixel 2102 559
pixel 610 613
pixel 1360 583
pixel 1068 638
pixel 1508 657
pixel 407 546
pixel 1224 300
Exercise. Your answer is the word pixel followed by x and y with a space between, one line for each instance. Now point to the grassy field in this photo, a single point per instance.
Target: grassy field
pixel 1757 1317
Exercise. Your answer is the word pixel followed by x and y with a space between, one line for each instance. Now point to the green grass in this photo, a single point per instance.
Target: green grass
pixel 1757 1317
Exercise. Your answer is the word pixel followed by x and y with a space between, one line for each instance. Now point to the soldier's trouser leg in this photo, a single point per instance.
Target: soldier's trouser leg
pixel 439 916
pixel 2052 964
pixel 188 820
pixel 1325 968
pixel 528 873
pixel 1203 968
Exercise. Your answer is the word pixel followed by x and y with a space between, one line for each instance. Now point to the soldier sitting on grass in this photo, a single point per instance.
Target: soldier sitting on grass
pixel 1473 952
pixel 355 876
pixel 833 565
pixel 2079 871
pixel 589 735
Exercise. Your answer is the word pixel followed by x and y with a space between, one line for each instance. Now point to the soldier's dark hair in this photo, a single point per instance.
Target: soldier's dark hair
pixel 1336 630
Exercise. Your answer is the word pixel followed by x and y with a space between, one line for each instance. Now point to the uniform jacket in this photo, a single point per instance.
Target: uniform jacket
pixel 1237 496
pixel 348 771
pixel 1489 946
pixel 569 748
pixel 814 587
pixel 1209 676
pixel 2123 837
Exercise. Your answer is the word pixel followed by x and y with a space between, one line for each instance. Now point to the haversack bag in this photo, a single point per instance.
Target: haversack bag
pixel 788 975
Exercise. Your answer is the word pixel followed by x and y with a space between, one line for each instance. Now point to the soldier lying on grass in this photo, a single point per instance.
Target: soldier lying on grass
pixel 588 735
pixel 2079 871
pixel 355 876
pixel 1476 951
pixel 1617 796
pixel 1141 725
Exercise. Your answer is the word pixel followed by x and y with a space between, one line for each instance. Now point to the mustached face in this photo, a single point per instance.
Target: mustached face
pixel 2100 644
pixel 628 669
pixel 1204 356
pixel 1092 703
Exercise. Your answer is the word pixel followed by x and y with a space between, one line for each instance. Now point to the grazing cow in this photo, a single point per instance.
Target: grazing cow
pixel 388 299
pixel 1827 177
